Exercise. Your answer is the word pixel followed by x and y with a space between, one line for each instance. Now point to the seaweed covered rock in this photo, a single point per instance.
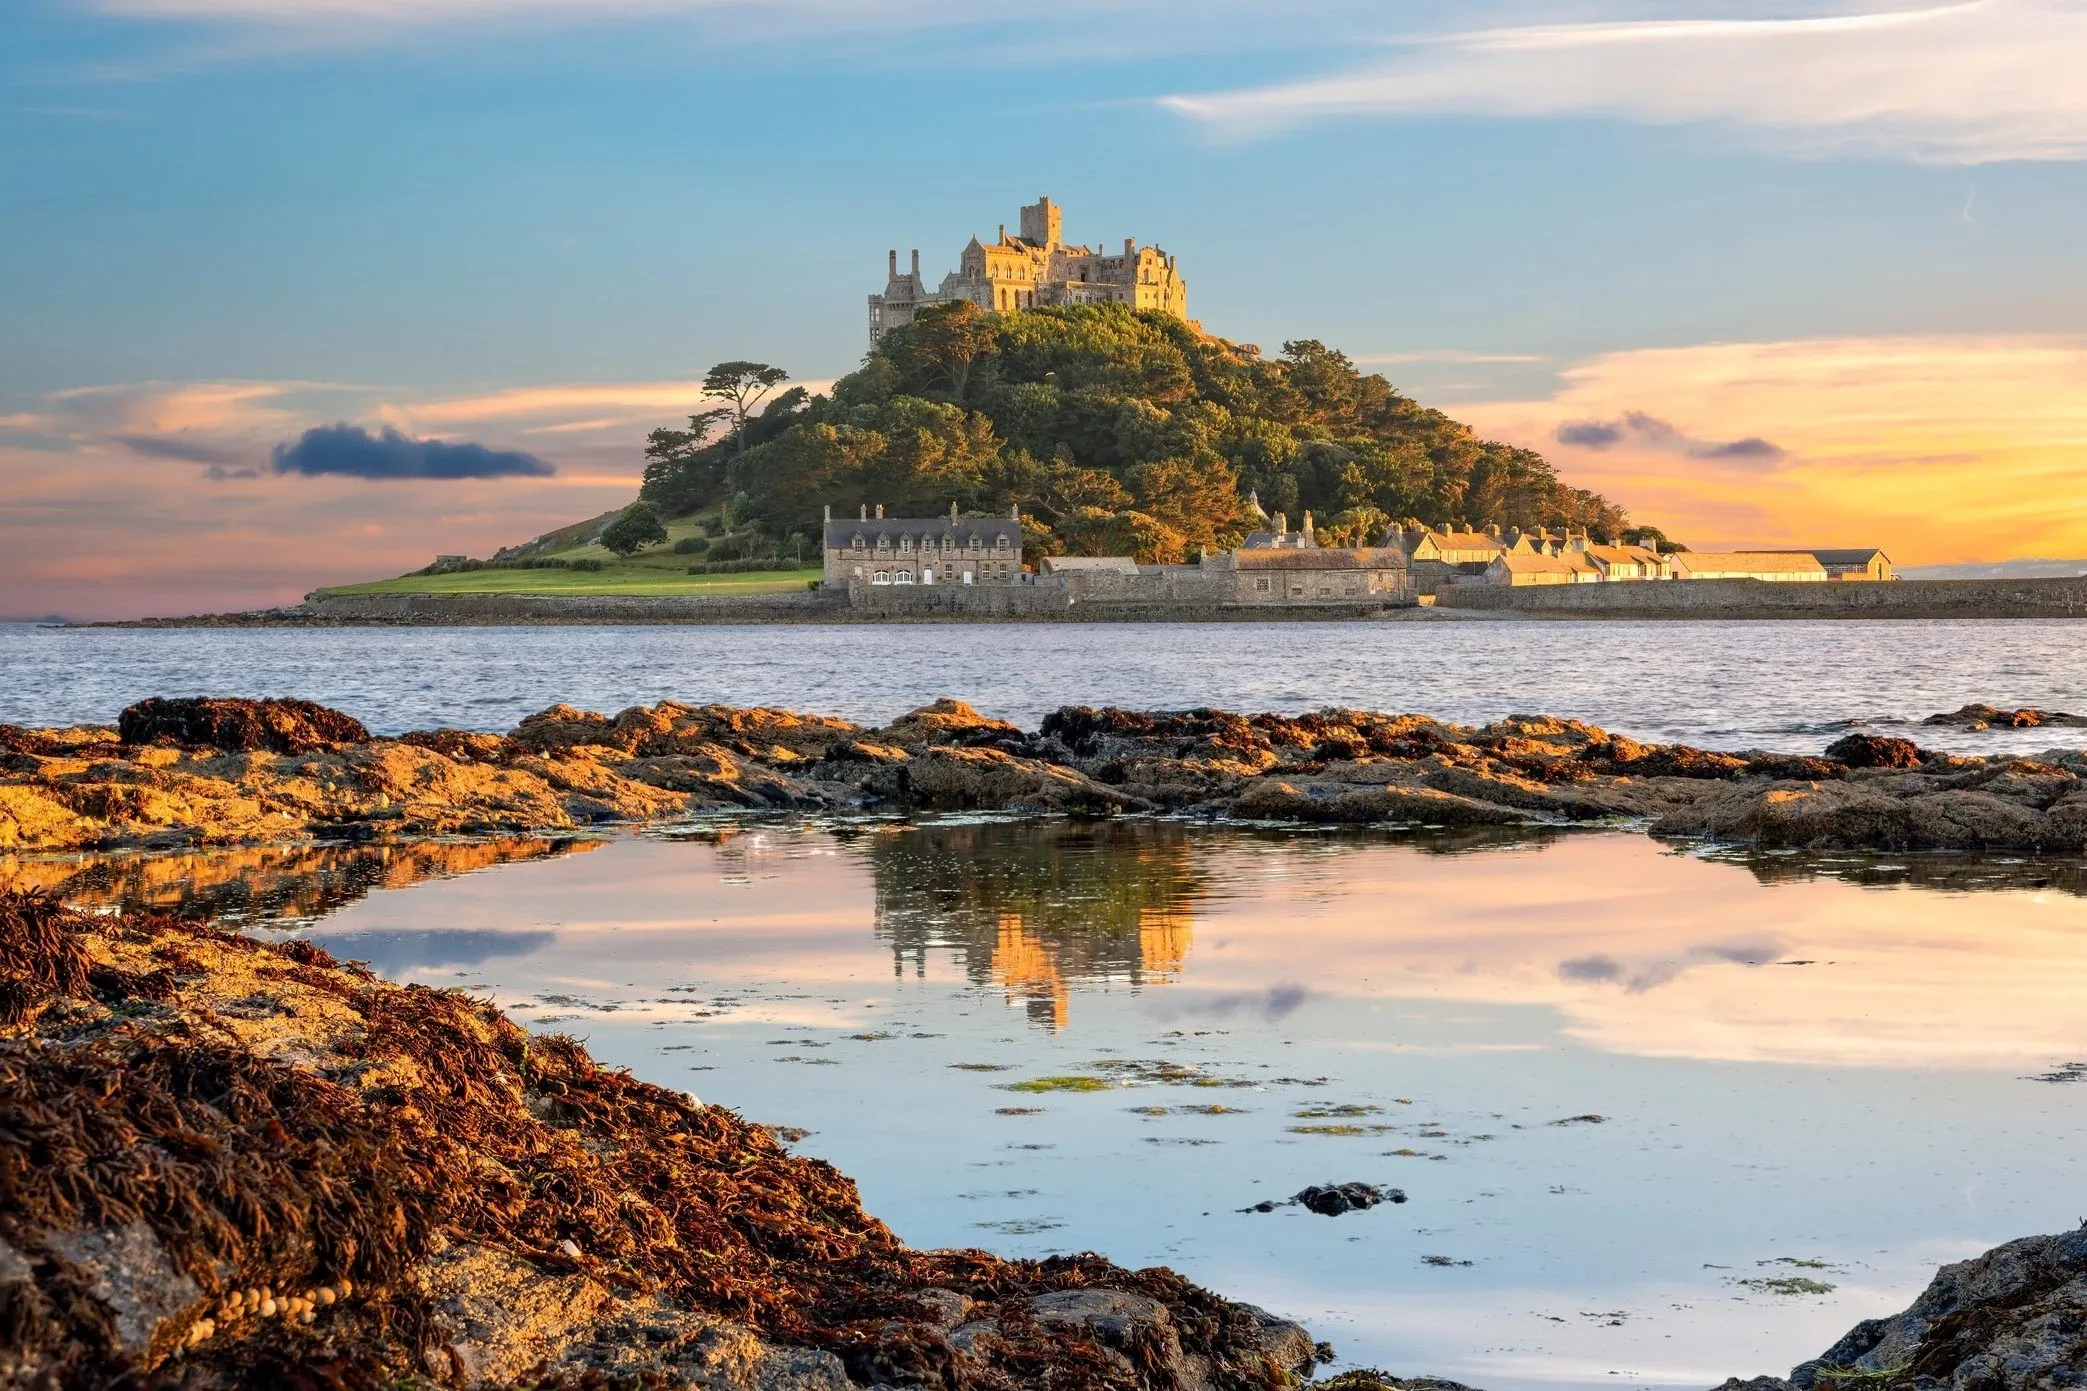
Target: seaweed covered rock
pixel 239 726
pixel 1875 751
pixel 1978 717
pixel 2013 1319
pixel 228 1163
pixel 217 772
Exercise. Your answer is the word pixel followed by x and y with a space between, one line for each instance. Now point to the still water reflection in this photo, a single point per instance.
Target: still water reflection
pixel 1621 1085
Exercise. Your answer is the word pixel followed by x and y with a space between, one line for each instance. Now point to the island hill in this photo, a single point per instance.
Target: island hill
pixel 1047 435
pixel 1052 380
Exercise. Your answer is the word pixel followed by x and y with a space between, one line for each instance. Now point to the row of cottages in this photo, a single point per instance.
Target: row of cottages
pixel 911 550
pixel 1590 563
pixel 1277 567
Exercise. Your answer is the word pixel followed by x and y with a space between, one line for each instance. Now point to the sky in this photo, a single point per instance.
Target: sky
pixel 500 240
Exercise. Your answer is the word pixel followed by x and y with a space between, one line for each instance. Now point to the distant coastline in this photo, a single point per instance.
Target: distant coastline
pixel 1728 600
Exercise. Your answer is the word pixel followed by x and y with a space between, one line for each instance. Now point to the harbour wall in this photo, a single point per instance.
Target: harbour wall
pixel 885 604
pixel 2034 598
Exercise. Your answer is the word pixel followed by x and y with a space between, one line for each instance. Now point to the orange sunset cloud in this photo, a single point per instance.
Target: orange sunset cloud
pixel 1938 448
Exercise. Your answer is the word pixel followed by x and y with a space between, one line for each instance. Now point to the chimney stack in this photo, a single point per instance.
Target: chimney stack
pixel 916 263
pixel 880 511
pixel 1281 523
pixel 829 511
pixel 894 263
pixel 1307 524
pixel 1014 513
pixel 952 513
pixel 865 511
pixel 1130 247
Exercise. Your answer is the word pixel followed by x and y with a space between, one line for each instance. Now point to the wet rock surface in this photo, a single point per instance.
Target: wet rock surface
pixel 247 772
pixel 229 1163
pixel 1990 717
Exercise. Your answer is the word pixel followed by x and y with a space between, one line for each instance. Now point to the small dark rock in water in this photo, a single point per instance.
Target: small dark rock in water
pixel 1875 751
pixel 1331 1200
pixel 1589 1119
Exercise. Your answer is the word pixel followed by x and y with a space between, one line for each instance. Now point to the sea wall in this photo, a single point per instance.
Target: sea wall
pixel 882 604
pixel 2038 598
pixel 442 610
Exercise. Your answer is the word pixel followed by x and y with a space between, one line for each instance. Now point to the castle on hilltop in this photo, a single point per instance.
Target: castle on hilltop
pixel 1032 271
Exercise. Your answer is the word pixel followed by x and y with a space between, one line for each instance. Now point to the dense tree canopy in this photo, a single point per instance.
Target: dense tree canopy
pixel 1114 431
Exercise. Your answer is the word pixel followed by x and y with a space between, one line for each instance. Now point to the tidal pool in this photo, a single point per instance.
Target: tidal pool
pixel 1660 1116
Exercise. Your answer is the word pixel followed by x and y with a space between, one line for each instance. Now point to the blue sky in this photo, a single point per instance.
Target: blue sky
pixel 384 211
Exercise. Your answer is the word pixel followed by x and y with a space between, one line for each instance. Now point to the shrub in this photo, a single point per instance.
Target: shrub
pixel 754 565
pixel 692 545
pixel 639 526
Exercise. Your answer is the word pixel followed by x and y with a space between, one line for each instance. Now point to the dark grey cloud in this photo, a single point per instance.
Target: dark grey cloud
pixel 353 452
pixel 1591 968
pixel 175 447
pixel 1752 447
pixel 1649 431
pixel 1591 434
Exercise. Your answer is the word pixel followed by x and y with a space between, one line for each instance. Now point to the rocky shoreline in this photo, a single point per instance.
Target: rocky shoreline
pixel 228 1163
pixel 193 772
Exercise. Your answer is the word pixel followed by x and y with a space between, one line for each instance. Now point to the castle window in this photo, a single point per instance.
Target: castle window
pixel 1262 586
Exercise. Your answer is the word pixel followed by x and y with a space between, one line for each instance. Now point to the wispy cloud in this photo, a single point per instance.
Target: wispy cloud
pixel 1650 432
pixel 1955 83
pixel 1455 355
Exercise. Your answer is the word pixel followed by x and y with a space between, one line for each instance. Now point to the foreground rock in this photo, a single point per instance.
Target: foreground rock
pixel 176 772
pixel 233 1164
pixel 2013 1319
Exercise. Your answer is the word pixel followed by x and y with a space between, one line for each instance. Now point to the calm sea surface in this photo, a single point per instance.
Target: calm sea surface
pixel 1793 686
pixel 1624 1089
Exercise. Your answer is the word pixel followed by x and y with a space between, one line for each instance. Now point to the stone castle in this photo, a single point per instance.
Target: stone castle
pixel 1035 270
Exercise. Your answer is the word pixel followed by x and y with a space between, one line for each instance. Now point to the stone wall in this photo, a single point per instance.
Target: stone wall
pixel 872 602
pixel 1152 584
pixel 803 606
pixel 2054 598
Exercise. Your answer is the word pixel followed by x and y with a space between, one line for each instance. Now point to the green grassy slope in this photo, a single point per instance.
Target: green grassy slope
pixel 654 571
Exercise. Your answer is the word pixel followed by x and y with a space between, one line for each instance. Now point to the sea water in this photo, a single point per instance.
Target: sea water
pixel 1659 1117
pixel 1791 686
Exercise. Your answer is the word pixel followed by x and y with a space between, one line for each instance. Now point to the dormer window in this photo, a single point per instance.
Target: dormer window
pixel 858 545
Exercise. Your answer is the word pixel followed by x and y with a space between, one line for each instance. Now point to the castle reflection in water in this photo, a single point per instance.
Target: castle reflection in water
pixel 1036 908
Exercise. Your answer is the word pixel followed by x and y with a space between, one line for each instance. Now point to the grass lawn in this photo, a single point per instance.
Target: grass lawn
pixel 617 579
pixel 657 571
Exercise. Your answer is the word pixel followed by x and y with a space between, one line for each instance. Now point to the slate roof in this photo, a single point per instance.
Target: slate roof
pixel 1748 562
pixel 1537 563
pixel 841 533
pixel 1323 558
pixel 1860 555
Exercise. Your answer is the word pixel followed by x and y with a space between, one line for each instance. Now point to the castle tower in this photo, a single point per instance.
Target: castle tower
pixel 1043 223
